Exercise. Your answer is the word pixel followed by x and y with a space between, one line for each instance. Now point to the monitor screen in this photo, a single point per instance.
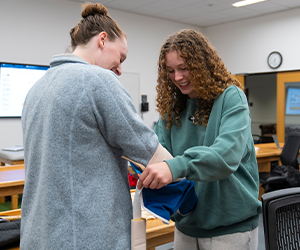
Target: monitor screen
pixel 292 106
pixel 15 82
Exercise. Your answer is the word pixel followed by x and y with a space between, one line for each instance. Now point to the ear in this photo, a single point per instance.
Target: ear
pixel 102 39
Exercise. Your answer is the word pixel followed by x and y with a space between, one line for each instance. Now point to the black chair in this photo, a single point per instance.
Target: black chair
pixel 281 219
pixel 277 178
pixel 267 130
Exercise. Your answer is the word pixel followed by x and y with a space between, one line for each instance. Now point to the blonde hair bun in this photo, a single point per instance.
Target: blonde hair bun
pixel 91 9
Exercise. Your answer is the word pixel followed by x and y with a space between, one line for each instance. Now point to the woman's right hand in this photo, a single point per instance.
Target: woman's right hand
pixel 155 176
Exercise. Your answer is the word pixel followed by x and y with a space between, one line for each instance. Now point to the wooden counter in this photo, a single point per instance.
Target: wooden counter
pixel 12 180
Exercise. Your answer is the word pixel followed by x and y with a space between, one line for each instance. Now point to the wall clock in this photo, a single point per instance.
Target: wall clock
pixel 274 59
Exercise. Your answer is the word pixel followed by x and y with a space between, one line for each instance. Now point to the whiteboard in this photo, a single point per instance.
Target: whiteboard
pixel 131 82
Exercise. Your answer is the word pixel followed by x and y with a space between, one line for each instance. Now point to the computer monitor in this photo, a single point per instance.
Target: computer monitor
pixel 15 81
pixel 292 106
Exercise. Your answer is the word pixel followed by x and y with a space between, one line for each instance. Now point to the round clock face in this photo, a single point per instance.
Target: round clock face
pixel 274 60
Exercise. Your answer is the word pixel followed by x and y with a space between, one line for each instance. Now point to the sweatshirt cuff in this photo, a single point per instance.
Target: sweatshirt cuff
pixel 178 167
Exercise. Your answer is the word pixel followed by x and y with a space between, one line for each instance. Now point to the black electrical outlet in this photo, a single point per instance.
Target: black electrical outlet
pixel 145 106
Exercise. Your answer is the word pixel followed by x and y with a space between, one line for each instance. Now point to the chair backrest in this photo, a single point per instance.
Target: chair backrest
pixel 267 130
pixel 290 151
pixel 281 219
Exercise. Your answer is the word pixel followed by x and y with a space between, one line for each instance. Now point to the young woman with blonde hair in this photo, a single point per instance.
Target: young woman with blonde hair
pixel 78 121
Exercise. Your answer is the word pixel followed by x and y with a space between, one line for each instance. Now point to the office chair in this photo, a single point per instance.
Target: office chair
pixel 277 178
pixel 290 151
pixel 267 130
pixel 281 219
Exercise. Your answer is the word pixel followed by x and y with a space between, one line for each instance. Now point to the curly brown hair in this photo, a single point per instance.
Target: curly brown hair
pixel 207 75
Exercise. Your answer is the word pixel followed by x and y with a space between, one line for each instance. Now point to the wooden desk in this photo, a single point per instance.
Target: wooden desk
pixel 157 233
pixel 266 153
pixel 10 162
pixel 12 180
pixel 4 161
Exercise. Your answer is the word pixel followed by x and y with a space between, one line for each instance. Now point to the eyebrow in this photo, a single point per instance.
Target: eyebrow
pixel 180 65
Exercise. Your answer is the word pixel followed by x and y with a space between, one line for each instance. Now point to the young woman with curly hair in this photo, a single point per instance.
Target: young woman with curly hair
pixel 205 124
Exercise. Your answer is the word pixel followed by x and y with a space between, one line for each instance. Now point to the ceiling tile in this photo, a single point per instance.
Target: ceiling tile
pixel 266 7
pixel 287 3
pixel 201 13
pixel 128 4
pixel 164 5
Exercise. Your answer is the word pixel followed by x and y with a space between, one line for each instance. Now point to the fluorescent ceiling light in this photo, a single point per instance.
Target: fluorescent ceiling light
pixel 246 2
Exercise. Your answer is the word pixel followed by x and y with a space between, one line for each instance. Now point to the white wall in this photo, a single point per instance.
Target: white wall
pixel 32 31
pixel 245 45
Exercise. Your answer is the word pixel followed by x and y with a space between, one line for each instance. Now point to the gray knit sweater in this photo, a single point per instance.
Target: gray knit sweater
pixel 77 122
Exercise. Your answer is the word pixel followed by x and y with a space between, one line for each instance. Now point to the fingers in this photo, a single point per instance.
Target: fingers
pixel 155 176
pixel 139 183
pixel 144 179
pixel 151 181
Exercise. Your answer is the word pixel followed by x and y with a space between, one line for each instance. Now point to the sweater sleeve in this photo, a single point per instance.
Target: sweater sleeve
pixel 227 133
pixel 120 123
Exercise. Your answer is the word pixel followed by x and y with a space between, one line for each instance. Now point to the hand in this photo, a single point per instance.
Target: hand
pixel 155 176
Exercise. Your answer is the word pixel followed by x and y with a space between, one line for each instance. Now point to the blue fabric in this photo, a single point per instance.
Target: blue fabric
pixel 177 196
pixel 136 168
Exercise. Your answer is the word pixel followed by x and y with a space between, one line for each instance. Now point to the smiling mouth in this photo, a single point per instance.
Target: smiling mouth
pixel 184 84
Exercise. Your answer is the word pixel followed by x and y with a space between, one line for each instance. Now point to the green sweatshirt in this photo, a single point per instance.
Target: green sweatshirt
pixel 221 161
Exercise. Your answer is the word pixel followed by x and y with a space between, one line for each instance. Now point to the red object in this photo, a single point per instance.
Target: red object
pixel 132 180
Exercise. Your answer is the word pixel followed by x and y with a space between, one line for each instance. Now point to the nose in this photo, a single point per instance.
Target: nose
pixel 117 70
pixel 178 76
